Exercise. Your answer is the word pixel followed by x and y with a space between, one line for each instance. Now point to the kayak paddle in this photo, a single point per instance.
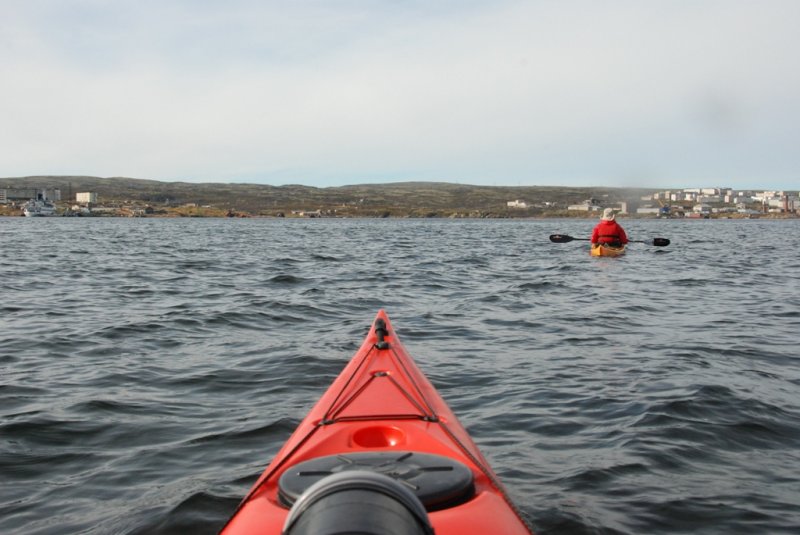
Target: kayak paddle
pixel 563 238
pixel 658 242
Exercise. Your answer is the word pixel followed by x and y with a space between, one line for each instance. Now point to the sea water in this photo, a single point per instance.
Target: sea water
pixel 151 368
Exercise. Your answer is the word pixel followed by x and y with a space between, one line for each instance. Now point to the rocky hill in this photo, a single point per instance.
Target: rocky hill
pixel 402 199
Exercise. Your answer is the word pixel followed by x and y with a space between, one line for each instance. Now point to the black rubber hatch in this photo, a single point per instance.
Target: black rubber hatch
pixel 439 482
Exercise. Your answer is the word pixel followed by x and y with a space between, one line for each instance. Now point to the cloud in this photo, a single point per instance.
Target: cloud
pixel 322 93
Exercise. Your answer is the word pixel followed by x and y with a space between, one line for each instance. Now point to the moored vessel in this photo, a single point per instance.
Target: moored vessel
pixel 39 207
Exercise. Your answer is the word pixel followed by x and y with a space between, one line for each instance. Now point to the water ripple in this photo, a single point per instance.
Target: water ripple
pixel 147 382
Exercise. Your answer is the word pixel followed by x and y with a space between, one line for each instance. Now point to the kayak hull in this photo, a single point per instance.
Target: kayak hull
pixel 382 404
pixel 606 250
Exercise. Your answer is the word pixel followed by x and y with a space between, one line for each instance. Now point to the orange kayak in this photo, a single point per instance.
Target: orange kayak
pixel 380 449
pixel 607 250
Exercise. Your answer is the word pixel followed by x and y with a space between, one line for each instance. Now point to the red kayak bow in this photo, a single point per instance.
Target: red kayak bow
pixel 380 452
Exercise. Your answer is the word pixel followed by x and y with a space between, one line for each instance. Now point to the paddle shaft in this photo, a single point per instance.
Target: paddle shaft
pixel 563 238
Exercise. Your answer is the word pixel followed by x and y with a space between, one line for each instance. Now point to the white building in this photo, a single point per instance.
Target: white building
pixel 648 210
pixel 702 209
pixel 517 204
pixel 785 202
pixel 585 206
pixel 86 197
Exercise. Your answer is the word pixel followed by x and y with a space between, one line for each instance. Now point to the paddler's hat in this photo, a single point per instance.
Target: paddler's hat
pixel 608 215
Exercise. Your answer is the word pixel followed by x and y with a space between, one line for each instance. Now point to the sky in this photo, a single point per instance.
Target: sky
pixel 671 94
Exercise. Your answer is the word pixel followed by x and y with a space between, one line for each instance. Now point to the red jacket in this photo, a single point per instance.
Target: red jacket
pixel 608 232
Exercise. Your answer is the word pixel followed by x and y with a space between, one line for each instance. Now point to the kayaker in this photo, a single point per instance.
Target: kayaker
pixel 608 231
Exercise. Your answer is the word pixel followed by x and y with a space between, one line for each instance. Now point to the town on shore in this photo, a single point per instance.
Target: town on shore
pixel 127 197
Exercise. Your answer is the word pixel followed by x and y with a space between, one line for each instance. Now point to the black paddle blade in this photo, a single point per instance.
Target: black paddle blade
pixel 560 238
pixel 660 242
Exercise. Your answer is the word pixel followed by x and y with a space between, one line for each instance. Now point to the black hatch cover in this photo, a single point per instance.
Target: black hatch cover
pixel 439 482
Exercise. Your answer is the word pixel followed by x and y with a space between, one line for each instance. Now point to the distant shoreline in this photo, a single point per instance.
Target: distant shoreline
pixel 128 197
pixel 627 217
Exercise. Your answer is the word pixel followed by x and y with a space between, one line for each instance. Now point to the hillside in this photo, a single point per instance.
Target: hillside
pixel 416 199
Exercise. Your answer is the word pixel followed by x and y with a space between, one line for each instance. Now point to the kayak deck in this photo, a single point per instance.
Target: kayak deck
pixel 606 250
pixel 382 414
